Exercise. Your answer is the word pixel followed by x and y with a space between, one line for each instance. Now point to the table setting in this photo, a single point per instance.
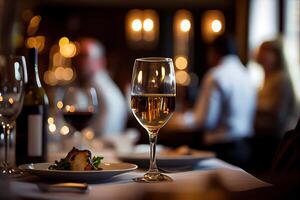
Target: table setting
pixel 120 173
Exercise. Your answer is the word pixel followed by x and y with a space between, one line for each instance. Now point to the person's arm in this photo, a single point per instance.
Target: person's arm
pixel 206 111
pixel 208 106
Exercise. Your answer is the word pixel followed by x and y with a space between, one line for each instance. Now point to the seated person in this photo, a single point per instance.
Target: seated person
pixel 275 104
pixel 91 69
pixel 226 103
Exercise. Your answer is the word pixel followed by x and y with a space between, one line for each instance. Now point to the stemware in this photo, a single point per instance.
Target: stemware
pixel 80 105
pixel 13 77
pixel 153 102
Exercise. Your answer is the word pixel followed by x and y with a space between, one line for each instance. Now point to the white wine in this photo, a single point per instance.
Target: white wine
pixel 153 110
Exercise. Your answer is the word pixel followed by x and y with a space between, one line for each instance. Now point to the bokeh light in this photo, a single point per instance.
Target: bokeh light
pixel 64 130
pixel 148 25
pixel 183 78
pixel 50 120
pixel 216 26
pixel 185 25
pixel 52 128
pixel 181 62
pixel 59 104
pixel 136 25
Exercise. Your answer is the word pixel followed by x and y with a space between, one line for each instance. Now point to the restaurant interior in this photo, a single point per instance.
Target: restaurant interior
pixel 214 83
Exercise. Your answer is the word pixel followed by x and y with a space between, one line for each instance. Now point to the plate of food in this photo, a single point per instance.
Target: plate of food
pixel 80 166
pixel 180 157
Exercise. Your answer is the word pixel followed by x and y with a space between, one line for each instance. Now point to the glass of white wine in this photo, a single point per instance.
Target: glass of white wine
pixel 153 102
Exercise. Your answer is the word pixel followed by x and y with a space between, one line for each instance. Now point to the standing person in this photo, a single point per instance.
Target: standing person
pixel 226 103
pixel 90 65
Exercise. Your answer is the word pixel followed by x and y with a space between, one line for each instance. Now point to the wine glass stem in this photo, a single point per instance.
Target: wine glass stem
pixel 153 140
pixel 6 130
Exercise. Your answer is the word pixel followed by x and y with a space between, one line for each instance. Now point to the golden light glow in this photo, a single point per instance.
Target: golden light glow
pixel 148 25
pixel 181 62
pixel 72 108
pixel 185 25
pixel 89 134
pixel 156 72
pixel 68 108
pixel 52 128
pixel 35 21
pixel 33 25
pixel 68 74
pixel 64 130
pixel 31 42
pixel 11 100
pixel 59 104
pixel 59 73
pixel 50 120
pixel 140 77
pixel 136 25
pixel 49 78
pixel 68 50
pixel 216 26
pixel 63 41
pixel 212 24
pixel 163 73
pixel 183 78
pixel 1 98
pixel 36 42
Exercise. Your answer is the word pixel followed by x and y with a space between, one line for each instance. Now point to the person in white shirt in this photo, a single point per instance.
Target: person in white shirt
pixel 91 69
pixel 226 102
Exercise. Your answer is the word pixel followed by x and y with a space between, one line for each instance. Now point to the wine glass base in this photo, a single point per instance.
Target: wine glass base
pixel 153 178
pixel 10 171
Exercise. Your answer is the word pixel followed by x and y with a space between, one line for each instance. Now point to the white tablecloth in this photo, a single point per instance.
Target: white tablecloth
pixel 122 187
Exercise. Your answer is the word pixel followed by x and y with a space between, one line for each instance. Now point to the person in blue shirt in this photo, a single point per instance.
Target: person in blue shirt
pixel 226 103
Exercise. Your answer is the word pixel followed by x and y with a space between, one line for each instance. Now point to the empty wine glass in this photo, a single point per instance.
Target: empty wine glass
pixel 13 77
pixel 80 105
pixel 153 102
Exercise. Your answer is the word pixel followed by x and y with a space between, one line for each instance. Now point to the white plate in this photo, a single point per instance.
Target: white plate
pixel 108 171
pixel 163 161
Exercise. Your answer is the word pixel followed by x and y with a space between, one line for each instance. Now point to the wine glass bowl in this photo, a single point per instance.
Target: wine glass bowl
pixel 153 102
pixel 13 77
pixel 79 107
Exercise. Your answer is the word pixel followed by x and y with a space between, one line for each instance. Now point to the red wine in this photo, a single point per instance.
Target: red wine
pixel 31 128
pixel 79 120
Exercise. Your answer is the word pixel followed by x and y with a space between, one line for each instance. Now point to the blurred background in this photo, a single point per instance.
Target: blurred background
pixel 132 29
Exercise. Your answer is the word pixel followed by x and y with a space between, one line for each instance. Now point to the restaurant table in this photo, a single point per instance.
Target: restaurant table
pixel 199 180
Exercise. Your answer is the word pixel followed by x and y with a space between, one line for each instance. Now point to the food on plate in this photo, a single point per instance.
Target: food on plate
pixel 78 160
pixel 180 151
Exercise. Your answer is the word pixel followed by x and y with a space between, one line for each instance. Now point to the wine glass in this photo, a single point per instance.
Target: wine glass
pixel 153 102
pixel 13 77
pixel 80 105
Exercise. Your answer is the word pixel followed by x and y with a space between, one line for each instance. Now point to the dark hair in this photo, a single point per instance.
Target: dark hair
pixel 224 45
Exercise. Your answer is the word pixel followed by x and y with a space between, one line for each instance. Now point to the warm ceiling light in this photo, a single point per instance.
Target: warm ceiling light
pixel 68 50
pixel 63 41
pixel 183 78
pixel 216 26
pixel 185 25
pixel 148 25
pixel 181 62
pixel 136 25
pixel 64 130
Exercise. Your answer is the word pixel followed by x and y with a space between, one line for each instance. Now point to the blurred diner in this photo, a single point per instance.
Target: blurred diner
pixel 276 107
pixel 90 64
pixel 225 107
